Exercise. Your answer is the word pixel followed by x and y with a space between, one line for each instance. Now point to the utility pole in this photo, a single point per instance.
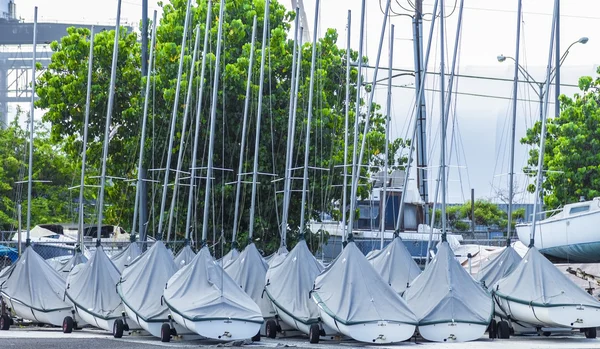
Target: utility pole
pixel 421 141
pixel 143 201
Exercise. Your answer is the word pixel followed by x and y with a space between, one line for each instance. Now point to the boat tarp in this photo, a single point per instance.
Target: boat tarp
pixel 63 265
pixel 249 271
pixel 352 292
pixel 395 265
pixel 34 283
pixel 143 282
pixel 278 256
pixel 92 286
pixel 203 291
pixel 499 267
pixel 445 292
pixel 289 284
pixel 184 256
pixel 536 281
pixel 125 257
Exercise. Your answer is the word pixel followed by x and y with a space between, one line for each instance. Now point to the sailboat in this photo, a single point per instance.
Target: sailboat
pixel 536 293
pixel 124 258
pixel 90 286
pixel 184 256
pixel 30 287
pixel 202 297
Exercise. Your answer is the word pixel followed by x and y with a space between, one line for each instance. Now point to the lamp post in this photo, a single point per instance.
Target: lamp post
pixel 538 87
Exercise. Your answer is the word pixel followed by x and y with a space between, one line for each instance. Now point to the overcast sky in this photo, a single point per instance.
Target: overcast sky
pixel 488 30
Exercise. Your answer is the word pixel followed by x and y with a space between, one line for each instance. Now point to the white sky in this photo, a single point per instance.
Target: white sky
pixel 489 29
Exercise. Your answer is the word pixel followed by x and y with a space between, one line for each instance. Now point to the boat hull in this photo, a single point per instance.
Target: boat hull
pixel 154 327
pixel 572 237
pixel 452 332
pixel 570 316
pixel 378 332
pixel 54 318
pixel 103 323
pixel 219 329
pixel 293 324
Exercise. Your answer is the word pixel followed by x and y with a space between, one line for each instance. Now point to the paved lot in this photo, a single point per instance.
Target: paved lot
pixel 46 338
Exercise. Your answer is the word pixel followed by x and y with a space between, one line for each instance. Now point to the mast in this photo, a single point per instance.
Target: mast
pixel 140 177
pixel 308 120
pixel 31 119
pixel 356 175
pixel 188 102
pixel 213 116
pixel 511 172
pixel 258 119
pixel 111 98
pixel 85 133
pixel 188 220
pixel 443 118
pixel 387 136
pixel 291 129
pixel 421 124
pixel 173 120
pixel 346 116
pixel 540 176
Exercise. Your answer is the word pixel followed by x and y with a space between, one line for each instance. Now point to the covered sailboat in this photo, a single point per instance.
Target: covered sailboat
pixel 141 290
pixel 353 299
pixel 204 298
pixel 64 265
pixel 185 256
pixel 395 265
pixel 125 257
pixel 34 290
pixel 448 302
pixel 499 267
pixel 288 285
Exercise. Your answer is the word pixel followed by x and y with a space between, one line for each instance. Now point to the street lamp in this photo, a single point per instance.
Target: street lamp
pixel 540 85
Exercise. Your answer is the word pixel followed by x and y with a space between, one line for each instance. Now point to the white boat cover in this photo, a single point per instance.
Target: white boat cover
pixel 64 265
pixel 124 258
pixel 203 291
pixel 184 256
pixel 289 284
pixel 142 283
pixel 278 256
pixel 33 282
pixel 499 267
pixel 352 292
pixel 92 287
pixel 536 281
pixel 395 265
pixel 249 271
pixel 229 257
pixel 445 292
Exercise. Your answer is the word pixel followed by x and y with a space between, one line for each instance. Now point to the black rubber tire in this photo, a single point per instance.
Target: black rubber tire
pixel 165 333
pixel 5 322
pixel 503 330
pixel 68 324
pixel 313 334
pixel 547 333
pixel 492 329
pixel 590 332
pixel 256 338
pixel 118 327
pixel 271 329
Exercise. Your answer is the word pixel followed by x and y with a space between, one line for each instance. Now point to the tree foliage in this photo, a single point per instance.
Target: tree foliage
pixel 572 149
pixel 62 92
pixel 486 214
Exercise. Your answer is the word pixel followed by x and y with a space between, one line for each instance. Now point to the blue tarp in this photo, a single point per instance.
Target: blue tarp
pixel 12 253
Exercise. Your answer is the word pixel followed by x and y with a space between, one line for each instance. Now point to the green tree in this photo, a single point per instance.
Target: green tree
pixel 572 150
pixel 326 148
pixel 485 214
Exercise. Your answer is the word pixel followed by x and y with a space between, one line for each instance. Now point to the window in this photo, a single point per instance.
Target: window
pixel 579 209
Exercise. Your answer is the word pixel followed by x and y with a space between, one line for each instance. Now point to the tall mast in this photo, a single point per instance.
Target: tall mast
pixel 291 129
pixel 443 117
pixel 346 117
pixel 111 98
pixel 388 120
pixel 140 178
pixel 163 201
pixel 85 133
pixel 213 116
pixel 31 120
pixel 258 118
pixel 308 120
pixel 188 102
pixel 513 127
pixel 188 220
